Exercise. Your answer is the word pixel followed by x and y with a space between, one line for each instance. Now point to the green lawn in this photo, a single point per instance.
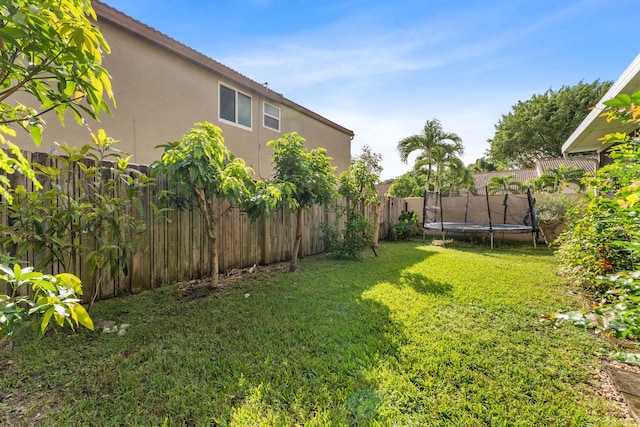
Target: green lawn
pixel 421 335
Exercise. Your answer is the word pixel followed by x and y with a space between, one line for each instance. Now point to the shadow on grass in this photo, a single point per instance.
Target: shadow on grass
pixel 285 349
pixel 421 283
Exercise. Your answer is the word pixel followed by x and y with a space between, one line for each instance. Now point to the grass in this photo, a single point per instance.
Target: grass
pixel 421 335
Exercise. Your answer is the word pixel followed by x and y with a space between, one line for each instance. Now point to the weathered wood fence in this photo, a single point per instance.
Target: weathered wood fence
pixel 175 246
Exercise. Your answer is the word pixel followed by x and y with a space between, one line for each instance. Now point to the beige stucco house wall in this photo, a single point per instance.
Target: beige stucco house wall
pixel 163 87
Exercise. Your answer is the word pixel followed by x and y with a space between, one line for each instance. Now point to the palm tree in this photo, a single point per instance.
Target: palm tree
pixel 553 179
pixel 457 177
pixel 504 184
pixel 427 142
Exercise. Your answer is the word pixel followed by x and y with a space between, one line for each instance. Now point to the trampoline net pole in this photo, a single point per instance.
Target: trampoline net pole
pixel 534 220
pixel 486 192
pixel 466 207
pixel 439 196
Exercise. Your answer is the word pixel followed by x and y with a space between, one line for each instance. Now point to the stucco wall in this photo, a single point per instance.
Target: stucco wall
pixel 160 95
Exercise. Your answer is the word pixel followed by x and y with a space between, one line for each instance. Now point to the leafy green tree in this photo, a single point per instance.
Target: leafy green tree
pixel 432 139
pixel 51 54
pixel 201 166
pixel 310 172
pixel 410 184
pixel 504 184
pixel 358 185
pixel 483 164
pixel 537 128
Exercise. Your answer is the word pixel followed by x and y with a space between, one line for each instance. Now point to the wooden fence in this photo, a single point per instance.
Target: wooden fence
pixel 175 246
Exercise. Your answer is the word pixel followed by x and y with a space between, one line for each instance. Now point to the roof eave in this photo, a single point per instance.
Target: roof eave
pixel 578 141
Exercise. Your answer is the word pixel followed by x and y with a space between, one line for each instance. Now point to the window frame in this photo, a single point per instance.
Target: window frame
pixel 236 99
pixel 265 115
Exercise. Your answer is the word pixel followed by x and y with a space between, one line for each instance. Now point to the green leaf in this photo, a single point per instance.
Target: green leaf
pixel 83 317
pixel 46 317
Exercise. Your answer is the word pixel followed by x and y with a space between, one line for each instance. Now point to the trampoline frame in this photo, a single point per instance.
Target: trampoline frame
pixel 477 227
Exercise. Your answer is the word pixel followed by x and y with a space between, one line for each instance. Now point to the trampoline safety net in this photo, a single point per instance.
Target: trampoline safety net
pixel 512 213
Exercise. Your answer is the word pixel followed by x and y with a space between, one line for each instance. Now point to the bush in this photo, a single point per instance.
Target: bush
pixel 406 226
pixel 552 209
pixel 356 236
pixel 51 297
pixel 617 312
pixel 602 234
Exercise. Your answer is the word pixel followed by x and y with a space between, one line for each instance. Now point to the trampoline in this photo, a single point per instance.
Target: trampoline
pixel 480 214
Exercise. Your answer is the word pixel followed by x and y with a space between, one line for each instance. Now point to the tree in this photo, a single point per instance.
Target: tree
pixel 457 177
pixel 483 164
pixel 92 192
pixel 410 184
pixel 200 165
pixel 553 179
pixel 504 184
pixel 53 54
pixel 427 142
pixel 444 156
pixel 310 173
pixel 537 128
pixel 358 185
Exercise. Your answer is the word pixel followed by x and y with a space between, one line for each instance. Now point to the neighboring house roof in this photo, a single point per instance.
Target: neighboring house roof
pixel 521 175
pixel 115 17
pixel 588 163
pixel 586 136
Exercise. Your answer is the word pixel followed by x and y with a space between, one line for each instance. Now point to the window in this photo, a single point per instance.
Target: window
pixel 235 106
pixel 271 117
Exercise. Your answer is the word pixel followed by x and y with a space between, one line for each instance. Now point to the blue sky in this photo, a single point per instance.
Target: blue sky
pixel 383 68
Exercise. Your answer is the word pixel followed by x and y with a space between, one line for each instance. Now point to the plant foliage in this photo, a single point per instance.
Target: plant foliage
pixel 94 193
pixel 310 174
pixel 537 128
pixel 202 167
pixel 35 299
pixel 52 53
pixel 602 241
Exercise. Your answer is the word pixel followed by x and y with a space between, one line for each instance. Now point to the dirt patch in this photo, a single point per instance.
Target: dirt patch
pixel 199 288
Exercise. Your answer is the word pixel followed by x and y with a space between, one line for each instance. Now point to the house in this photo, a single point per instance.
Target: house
pixel 587 163
pixel 585 139
pixel 163 87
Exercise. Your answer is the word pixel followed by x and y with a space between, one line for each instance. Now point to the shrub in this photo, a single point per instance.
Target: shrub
pixel 602 234
pixel 51 297
pixel 617 312
pixel 350 242
pixel 406 226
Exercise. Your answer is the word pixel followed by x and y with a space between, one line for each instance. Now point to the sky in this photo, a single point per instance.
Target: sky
pixel 383 68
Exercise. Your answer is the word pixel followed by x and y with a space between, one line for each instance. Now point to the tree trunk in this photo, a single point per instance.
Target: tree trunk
pixel 209 211
pixel 296 245
pixel 214 264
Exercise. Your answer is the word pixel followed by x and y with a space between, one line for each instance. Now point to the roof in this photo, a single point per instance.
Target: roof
pixel 585 137
pixel 154 37
pixel 521 175
pixel 588 163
